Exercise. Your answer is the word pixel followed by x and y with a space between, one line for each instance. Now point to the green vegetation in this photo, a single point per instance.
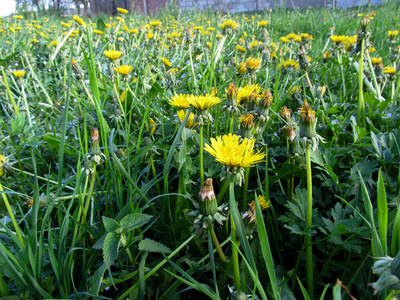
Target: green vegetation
pixel 201 154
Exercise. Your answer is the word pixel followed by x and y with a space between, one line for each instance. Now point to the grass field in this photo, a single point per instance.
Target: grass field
pixel 199 154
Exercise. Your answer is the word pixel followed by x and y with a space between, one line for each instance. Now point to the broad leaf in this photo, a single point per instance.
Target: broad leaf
pixel 110 224
pixel 153 246
pixel 110 249
pixel 133 221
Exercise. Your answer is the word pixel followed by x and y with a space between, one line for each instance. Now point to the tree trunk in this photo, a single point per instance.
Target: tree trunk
pixel 93 7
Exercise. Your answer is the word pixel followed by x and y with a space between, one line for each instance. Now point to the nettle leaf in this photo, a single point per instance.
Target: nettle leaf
pixel 110 224
pixel 135 220
pixel 110 248
pixel 153 246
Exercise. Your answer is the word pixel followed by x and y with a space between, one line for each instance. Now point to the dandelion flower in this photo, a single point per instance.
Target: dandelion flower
pixel 389 70
pixel 231 152
pixel 19 73
pixel 180 101
pixel 202 103
pixel 124 69
pixel 112 54
pixel 293 37
pixel 190 121
pixel 166 62
pixel 241 48
pixel 229 24
pixel 290 63
pixel 376 60
pixel 79 21
pixel 99 32
pixel 122 10
pixel 3 164
pixel 393 33
pixel 263 202
pixel 155 23
pixel 339 39
pixel 262 23
pixel 244 93
pixel 253 63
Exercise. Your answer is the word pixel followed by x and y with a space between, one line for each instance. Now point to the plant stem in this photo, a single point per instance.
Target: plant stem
pixel 342 72
pixel 235 253
pixel 153 169
pixel 361 104
pixel 217 244
pixel 11 214
pixel 309 267
pixel 201 156
pixel 16 110
pixel 89 195
pixel 245 188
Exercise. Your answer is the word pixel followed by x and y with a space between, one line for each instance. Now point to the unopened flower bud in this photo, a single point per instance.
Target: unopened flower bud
pixel 208 203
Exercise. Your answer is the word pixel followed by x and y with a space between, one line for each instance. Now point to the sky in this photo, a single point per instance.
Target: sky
pixel 7 7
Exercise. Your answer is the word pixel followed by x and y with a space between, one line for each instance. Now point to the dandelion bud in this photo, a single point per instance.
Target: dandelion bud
pixel 285 114
pixel 247 124
pixel 95 140
pixel 208 203
pixel 77 69
pixel 231 95
pixel 249 219
pixel 303 59
pixel 308 121
pixel 265 103
pixel 289 132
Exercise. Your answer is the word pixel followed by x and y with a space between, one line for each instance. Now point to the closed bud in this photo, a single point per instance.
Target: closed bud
pixel 208 203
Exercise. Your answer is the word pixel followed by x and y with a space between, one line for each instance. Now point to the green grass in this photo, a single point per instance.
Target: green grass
pixel 119 217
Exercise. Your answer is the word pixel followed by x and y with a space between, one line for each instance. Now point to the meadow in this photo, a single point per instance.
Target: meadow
pixel 199 154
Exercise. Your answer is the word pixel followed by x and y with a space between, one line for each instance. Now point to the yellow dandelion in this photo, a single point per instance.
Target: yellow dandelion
pixel 290 64
pixel 245 93
pixel 229 24
pixel 232 152
pixel 389 70
pixel 19 73
pixel 339 39
pixel 3 164
pixel 262 23
pixel 149 35
pixel 180 101
pixel 376 60
pixel 166 62
pixel 306 37
pixel 79 21
pixel 285 39
pixel 99 32
pixel 190 121
pixel 241 48
pixel 52 44
pixel 264 204
pixel 122 10
pixel 124 69
pixel 296 89
pixel 18 17
pixel 393 33
pixel 155 23
pixel 205 102
pixel 371 49
pixel 307 115
pixel 293 37
pixel 242 68
pixel 112 54
pixel 247 121
pixel 350 43
pixel 151 126
pixel 66 25
pixel 133 31
pixel 253 63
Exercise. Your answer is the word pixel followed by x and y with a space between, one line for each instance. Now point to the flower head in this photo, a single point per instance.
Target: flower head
pixel 166 62
pixel 202 103
pixel 393 33
pixel 155 23
pixel 124 69
pixel 229 24
pixel 79 20
pixel 231 152
pixel 122 10
pixel 290 64
pixel 190 121
pixel 245 93
pixel 180 101
pixel 262 23
pixel 293 37
pixel 308 121
pixel 3 164
pixel 339 39
pixel 19 73
pixel 376 60
pixel 112 54
pixel 263 202
pixel 253 63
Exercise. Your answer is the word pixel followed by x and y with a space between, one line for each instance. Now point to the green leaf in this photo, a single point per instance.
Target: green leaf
pixel 153 246
pixel 110 249
pixel 100 25
pixel 110 224
pixel 6 61
pixel 396 233
pixel 303 290
pixel 134 220
pixel 382 212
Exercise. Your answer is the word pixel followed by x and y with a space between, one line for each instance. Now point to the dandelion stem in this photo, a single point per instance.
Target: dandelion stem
pixel 361 104
pixel 201 156
pixel 89 195
pixel 309 267
pixel 245 187
pixel 235 252
pixel 217 244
